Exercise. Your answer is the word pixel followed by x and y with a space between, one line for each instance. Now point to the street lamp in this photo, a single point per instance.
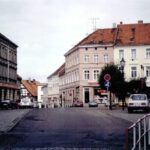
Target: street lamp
pixel 122 65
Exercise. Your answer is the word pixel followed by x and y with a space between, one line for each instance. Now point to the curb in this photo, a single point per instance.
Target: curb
pixel 14 122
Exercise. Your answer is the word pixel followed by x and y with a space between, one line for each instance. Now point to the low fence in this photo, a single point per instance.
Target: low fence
pixel 138 135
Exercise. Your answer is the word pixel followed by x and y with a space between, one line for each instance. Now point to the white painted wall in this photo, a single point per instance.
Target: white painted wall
pixel 137 62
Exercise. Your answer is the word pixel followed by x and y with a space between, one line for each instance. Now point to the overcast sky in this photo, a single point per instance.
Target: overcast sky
pixel 45 30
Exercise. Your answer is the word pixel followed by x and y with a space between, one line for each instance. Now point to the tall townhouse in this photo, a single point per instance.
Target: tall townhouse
pixel 84 62
pixel 133 44
pixel 8 69
pixel 53 88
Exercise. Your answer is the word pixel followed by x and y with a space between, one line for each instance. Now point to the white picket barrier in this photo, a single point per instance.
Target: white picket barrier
pixel 138 135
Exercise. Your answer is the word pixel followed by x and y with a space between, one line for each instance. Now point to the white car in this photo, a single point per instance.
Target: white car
pixel 138 102
pixel 26 103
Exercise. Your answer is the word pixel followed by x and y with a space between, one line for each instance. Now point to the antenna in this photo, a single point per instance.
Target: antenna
pixel 94 22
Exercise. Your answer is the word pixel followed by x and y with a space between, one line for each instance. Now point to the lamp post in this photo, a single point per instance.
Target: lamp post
pixel 122 65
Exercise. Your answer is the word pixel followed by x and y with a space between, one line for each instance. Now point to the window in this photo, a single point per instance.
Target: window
pixel 86 74
pixel 86 58
pixel 133 72
pixel 95 58
pixel 148 71
pixel 121 54
pixel 148 53
pixel 105 58
pixel 96 74
pixel 133 54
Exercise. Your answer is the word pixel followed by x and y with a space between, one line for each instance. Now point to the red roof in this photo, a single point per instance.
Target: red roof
pixel 31 86
pixel 133 34
pixel 100 36
pixel 122 35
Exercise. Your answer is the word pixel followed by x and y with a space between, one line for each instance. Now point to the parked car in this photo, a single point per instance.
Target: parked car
pixel 78 104
pixel 26 103
pixel 93 103
pixel 138 102
pixel 107 103
pixel 8 104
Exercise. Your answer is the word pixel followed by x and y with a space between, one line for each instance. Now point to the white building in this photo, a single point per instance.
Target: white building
pixel 133 44
pixel 53 88
pixel 40 96
pixel 83 66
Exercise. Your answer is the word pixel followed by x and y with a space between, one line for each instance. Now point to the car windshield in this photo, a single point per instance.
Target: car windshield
pixel 138 97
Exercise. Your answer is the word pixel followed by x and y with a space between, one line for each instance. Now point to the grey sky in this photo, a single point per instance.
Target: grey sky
pixel 46 29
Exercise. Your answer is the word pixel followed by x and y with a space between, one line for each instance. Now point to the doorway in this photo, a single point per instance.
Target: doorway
pixel 86 95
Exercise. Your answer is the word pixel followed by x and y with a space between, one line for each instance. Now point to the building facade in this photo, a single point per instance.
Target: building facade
pixel 83 64
pixel 8 69
pixel 53 95
pixel 133 44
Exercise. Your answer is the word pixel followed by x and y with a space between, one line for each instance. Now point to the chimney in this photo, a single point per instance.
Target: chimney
pixel 140 21
pixel 121 22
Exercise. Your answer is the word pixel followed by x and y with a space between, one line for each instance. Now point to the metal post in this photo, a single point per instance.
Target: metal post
pixel 110 106
pixel 139 127
pixel 144 133
pixel 134 136
pixel 149 131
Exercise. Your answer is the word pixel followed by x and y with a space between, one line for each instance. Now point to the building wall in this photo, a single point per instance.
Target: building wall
pixel 53 90
pixel 8 69
pixel 85 58
pixel 140 61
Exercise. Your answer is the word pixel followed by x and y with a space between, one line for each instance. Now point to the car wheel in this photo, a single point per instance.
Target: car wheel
pixel 147 110
pixel 129 110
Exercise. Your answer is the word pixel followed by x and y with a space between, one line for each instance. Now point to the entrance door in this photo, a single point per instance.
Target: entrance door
pixel 86 95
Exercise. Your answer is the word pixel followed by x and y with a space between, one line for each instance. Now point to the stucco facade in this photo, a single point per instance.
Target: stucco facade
pixel 83 66
pixel 137 60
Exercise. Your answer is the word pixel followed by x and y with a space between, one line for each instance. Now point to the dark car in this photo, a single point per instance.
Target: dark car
pixel 8 104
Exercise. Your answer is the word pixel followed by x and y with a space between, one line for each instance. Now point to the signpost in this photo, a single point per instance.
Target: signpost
pixel 107 84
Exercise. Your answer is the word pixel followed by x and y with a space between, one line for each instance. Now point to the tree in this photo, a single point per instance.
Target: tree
pixel 117 83
pixel 116 78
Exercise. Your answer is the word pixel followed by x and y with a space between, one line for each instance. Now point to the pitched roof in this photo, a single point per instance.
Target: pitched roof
pixel 56 72
pixel 123 34
pixel 31 86
pixel 133 34
pixel 100 36
pixel 6 39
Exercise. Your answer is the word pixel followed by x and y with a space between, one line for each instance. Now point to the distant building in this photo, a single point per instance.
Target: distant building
pixel 40 95
pixel 8 69
pixel 53 95
pixel 29 88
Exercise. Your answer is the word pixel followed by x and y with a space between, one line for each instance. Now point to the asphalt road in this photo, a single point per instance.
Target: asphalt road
pixel 67 128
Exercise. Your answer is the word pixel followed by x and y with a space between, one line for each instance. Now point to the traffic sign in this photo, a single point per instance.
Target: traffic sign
pixel 107 77
pixel 107 84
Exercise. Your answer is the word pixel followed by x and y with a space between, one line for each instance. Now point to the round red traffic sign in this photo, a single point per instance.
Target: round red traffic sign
pixel 107 77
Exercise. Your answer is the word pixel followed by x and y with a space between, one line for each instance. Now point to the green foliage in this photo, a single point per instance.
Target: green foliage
pixel 118 85
pixel 117 80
